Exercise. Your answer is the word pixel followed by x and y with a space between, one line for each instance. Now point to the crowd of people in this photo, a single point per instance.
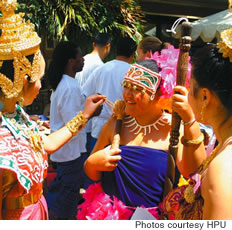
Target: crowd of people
pixel 109 129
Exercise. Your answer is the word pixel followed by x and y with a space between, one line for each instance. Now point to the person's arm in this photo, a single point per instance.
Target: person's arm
pixel 102 159
pixel 60 137
pixel 189 157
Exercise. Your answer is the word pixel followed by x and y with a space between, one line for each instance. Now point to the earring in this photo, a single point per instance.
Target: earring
pixel 1 105
pixel 152 97
pixel 20 100
pixel 203 112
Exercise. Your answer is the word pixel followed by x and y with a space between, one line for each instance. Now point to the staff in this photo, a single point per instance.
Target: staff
pixel 182 69
pixel 118 110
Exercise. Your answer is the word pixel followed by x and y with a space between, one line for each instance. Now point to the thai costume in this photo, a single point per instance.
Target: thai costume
pixel 23 162
pixel 23 168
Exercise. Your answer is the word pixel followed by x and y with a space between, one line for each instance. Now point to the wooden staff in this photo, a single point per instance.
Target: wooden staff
pixel 182 69
pixel 118 110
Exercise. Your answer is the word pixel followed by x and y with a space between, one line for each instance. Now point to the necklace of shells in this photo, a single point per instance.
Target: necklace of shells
pixel 135 127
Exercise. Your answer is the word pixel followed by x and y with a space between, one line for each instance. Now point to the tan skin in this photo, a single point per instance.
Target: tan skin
pixel 57 139
pixel 217 182
pixel 141 55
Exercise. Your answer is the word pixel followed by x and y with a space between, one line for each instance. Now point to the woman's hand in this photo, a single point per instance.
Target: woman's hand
pixel 104 160
pixel 180 104
pixel 91 104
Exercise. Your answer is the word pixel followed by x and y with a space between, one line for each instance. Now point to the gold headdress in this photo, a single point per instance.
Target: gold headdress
pixel 225 45
pixel 17 40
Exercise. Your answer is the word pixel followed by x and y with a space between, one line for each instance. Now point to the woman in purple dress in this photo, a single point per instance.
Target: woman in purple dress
pixel 134 173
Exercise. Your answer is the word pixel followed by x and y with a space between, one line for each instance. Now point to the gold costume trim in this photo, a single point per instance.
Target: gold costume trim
pixel 12 203
pixel 22 67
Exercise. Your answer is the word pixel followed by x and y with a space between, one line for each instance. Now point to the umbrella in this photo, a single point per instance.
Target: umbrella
pixel 209 27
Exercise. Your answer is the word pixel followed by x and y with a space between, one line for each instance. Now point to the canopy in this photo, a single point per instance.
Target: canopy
pixel 208 28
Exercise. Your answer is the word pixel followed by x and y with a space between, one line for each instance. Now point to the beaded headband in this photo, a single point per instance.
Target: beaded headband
pixel 140 76
pixel 17 40
pixel 225 45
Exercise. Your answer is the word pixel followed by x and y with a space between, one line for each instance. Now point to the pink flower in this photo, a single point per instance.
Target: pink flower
pixel 167 61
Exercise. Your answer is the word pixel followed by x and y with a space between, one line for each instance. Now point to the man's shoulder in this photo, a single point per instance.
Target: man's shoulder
pixel 110 65
pixel 92 58
pixel 68 83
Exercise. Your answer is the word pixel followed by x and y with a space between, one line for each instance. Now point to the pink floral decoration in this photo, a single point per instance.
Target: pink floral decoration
pixel 167 61
pixel 99 206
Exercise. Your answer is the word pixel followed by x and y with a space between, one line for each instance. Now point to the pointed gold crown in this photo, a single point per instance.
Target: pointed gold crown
pixel 17 40
pixel 225 45
pixel 16 33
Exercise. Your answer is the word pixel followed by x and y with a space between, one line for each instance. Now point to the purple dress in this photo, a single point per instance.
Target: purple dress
pixel 138 180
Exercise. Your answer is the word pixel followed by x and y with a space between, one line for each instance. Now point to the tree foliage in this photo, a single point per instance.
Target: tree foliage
pixel 80 20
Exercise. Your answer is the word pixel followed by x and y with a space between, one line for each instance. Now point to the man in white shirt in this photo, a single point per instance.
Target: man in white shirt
pixel 101 48
pixel 66 102
pixel 107 79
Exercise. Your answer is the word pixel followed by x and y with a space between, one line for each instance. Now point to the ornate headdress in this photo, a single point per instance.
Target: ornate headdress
pixel 140 76
pixel 17 40
pixel 225 45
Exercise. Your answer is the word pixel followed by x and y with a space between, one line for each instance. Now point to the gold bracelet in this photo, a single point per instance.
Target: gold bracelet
pixel 77 123
pixel 197 141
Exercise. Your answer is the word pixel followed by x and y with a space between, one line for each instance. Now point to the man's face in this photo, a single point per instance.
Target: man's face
pixel 78 62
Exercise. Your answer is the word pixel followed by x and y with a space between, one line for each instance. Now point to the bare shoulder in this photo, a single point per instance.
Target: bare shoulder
pixel 108 128
pixel 218 179
pixel 216 187
pixel 110 124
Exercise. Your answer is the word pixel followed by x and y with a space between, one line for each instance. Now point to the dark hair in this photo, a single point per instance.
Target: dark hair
pixel 126 46
pixel 214 72
pixel 149 64
pixel 64 51
pixel 102 39
pixel 152 44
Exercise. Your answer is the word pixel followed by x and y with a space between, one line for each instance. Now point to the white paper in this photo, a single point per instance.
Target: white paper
pixel 142 214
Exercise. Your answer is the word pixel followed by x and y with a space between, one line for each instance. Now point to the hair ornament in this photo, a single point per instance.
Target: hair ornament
pixel 225 45
pixel 17 33
pixel 167 60
pixel 17 41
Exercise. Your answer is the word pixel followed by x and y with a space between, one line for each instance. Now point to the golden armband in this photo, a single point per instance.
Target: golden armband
pixel 197 141
pixel 77 123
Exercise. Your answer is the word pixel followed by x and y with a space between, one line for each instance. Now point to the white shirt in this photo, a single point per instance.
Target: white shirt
pixel 105 80
pixel 66 102
pixel 92 61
